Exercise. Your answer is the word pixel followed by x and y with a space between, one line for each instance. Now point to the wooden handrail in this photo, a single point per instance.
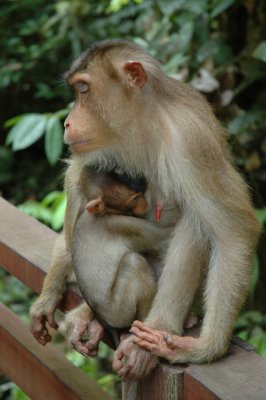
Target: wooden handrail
pixel 25 251
pixel 42 372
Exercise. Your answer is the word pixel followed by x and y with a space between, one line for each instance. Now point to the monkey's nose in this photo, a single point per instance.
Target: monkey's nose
pixel 66 123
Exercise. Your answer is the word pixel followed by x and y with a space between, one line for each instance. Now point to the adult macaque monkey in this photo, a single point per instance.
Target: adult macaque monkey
pixel 129 114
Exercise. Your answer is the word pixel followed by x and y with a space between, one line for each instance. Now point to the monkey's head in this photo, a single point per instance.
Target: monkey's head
pixel 111 82
pixel 110 192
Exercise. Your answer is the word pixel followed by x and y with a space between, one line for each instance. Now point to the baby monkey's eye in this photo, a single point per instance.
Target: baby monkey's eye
pixel 82 87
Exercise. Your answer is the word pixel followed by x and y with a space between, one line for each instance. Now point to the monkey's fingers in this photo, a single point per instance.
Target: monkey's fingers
pixel 77 331
pixel 158 350
pixel 81 347
pixel 96 332
pixel 147 333
pixel 39 330
pixel 93 346
pixel 138 365
pixel 149 337
pixel 141 326
pixel 124 372
pixel 118 361
pixel 51 320
pixel 42 337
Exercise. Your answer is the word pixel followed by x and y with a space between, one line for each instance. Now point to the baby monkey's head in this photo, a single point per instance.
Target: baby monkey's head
pixel 110 192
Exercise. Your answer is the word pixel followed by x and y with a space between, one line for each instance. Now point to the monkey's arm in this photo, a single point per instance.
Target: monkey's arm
pixel 142 234
pixel 43 309
pixel 221 236
pixel 159 343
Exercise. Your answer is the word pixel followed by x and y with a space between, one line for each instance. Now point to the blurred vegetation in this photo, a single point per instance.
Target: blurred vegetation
pixel 218 46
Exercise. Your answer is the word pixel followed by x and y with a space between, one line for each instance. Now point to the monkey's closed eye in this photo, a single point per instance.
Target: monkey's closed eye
pixel 82 87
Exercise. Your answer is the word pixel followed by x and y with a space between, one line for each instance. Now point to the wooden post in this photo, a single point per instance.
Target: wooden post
pixel 164 383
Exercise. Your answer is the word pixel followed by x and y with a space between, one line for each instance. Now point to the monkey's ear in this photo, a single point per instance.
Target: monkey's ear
pixel 136 74
pixel 95 206
pixel 139 204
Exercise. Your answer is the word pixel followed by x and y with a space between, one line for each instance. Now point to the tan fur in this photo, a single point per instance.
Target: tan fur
pixel 115 279
pixel 166 131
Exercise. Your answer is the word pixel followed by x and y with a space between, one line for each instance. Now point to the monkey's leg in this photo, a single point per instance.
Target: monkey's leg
pixel 178 283
pixel 180 278
pixel 133 291
pixel 133 294
pixel 225 291
pixel 42 311
pixel 227 283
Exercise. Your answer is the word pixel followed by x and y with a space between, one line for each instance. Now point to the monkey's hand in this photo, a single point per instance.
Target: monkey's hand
pixel 131 362
pixel 41 313
pixel 85 332
pixel 161 343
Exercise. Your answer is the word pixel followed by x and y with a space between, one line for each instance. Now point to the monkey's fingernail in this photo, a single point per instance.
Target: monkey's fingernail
pixel 166 338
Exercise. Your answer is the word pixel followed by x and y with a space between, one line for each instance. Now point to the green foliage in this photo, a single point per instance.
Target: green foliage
pixel 29 128
pixel 251 326
pixel 50 210
pixel 260 51
pixel 94 368
pixel 261 215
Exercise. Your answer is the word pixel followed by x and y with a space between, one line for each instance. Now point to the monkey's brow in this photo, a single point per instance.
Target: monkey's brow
pixel 69 77
pixel 66 77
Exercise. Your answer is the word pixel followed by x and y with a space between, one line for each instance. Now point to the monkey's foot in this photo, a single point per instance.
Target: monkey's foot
pixel 191 321
pixel 131 362
pixel 162 344
pixel 92 329
pixel 39 325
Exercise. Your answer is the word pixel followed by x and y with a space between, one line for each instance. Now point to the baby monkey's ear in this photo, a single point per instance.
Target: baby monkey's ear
pixel 95 206
pixel 138 204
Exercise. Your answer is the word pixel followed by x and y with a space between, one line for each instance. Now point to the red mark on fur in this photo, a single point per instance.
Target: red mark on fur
pixel 158 212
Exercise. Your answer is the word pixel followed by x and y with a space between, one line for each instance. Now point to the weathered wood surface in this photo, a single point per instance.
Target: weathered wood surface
pixel 26 248
pixel 241 375
pixel 164 383
pixel 42 372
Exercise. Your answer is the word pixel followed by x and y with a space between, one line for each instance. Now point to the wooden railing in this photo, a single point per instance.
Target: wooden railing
pixel 44 373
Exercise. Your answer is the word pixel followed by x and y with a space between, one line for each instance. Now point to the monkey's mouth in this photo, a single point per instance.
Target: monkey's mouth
pixel 79 146
pixel 77 142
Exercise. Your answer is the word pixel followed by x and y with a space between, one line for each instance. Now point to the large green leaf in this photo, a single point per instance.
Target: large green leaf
pixel 53 139
pixel 27 131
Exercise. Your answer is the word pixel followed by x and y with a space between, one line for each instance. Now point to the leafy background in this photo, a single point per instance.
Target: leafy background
pixel 218 46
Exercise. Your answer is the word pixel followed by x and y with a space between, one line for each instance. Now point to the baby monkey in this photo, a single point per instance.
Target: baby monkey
pixel 119 194
pixel 111 245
